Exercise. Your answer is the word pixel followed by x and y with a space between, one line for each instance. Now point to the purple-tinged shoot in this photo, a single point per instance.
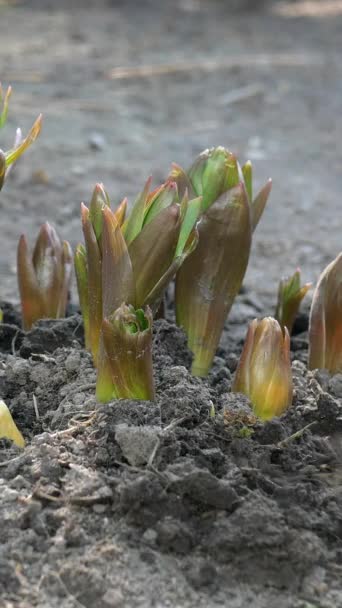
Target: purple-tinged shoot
pixel 132 260
pixel 44 276
pixel 325 323
pixel 210 279
pixel 126 370
pixel 290 295
pixel 20 145
pixel 264 370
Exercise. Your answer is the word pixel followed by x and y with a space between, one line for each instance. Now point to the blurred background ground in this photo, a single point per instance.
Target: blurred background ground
pixel 128 87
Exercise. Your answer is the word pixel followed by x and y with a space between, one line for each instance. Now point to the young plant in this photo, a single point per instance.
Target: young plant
pixel 210 279
pixel 125 365
pixel 44 276
pixel 131 260
pixel 264 370
pixel 325 324
pixel 20 145
pixel 8 428
pixel 290 295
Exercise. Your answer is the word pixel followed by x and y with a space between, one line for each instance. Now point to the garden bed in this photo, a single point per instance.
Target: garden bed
pixel 185 501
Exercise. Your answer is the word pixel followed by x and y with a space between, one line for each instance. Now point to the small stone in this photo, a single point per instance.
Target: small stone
pixel 204 488
pixel 150 536
pixel 20 371
pixel 137 443
pixel 97 141
pixel 113 598
pixel 72 362
pixel 328 410
pixel 322 376
pixel 9 495
pixel 173 535
pixel 19 482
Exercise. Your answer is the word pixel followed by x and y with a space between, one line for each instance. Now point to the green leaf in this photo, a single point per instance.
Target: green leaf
pixel 117 273
pixel 153 250
pixel 193 210
pixel 247 172
pixel 135 221
pixel 5 98
pixel 13 154
pixel 98 201
pixel 126 370
pixel 166 195
pixel 259 203
pixel 210 278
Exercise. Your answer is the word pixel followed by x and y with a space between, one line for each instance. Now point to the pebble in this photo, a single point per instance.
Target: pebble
pixel 150 536
pixel 72 362
pixel 137 443
pixel 113 598
pixel 9 495
pixel 97 141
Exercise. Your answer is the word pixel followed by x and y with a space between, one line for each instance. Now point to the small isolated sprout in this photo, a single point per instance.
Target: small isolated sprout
pixel 264 370
pixel 290 295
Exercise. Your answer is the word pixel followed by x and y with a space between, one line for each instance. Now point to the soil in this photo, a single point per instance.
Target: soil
pixel 189 501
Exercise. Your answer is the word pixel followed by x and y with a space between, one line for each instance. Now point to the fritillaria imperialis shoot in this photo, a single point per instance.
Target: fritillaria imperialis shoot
pixel 131 260
pixel 210 279
pixel 8 428
pixel 125 364
pixel 264 370
pixel 290 295
pixel 325 324
pixel 20 145
pixel 44 276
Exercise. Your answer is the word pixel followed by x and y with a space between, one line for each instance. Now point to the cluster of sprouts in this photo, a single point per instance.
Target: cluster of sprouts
pixel 196 228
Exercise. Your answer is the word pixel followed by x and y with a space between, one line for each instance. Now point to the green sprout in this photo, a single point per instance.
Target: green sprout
pixel 264 370
pixel 210 279
pixel 131 260
pixel 8 428
pixel 44 276
pixel 290 295
pixel 20 145
pixel 325 323
pixel 125 369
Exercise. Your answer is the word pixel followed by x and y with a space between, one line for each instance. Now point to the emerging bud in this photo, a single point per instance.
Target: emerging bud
pixel 44 278
pixel 210 279
pixel 8 428
pixel 131 261
pixel 290 295
pixel 264 370
pixel 125 368
pixel 325 325
pixel 214 172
